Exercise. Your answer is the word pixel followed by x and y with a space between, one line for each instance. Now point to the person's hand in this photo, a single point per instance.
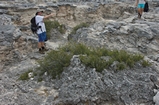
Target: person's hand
pixel 50 15
pixel 53 14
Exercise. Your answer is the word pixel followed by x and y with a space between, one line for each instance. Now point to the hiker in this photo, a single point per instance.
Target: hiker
pixel 140 5
pixel 41 32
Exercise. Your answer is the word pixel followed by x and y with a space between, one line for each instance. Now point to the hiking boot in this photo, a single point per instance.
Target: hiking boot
pixel 45 49
pixel 41 52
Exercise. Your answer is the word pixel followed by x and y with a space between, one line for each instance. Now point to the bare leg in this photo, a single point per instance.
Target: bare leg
pixel 40 44
pixel 140 11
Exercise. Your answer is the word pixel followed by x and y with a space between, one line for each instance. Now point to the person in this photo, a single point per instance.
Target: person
pixel 140 5
pixel 41 32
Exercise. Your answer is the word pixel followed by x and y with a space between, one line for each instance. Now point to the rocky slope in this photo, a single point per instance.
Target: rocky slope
pixel 114 25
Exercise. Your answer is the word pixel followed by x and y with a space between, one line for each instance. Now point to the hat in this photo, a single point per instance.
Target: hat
pixel 39 10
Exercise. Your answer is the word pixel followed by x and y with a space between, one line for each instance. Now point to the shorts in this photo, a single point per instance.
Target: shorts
pixel 42 37
pixel 141 6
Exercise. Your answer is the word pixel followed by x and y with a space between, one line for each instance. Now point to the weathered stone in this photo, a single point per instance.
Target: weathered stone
pixel 113 25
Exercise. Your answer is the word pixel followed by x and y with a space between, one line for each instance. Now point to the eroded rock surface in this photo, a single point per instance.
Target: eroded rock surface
pixel 113 25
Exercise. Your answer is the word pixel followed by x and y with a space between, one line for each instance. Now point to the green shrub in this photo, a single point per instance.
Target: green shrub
pixel 56 60
pixel 75 48
pixel 54 63
pixel 70 36
pixel 24 76
pixel 137 57
pixel 121 66
pixel 78 27
pixel 122 56
pixel 129 62
pixel 145 63
pixel 100 51
pixel 53 25
pixel 95 61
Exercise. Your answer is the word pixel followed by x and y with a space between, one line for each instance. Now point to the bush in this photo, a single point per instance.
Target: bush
pixel 55 61
pixel 24 76
pixel 53 25
pixel 145 63
pixel 124 58
pixel 95 61
pixel 121 66
pixel 70 36
pixel 75 48
pixel 78 27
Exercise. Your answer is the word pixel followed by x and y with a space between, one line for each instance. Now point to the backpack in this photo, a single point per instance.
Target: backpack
pixel 146 7
pixel 34 26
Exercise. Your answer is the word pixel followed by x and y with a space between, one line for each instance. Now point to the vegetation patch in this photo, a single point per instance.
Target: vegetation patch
pixel 99 58
pixel 25 76
pixel 76 28
pixel 54 63
pixel 53 25
pixel 123 59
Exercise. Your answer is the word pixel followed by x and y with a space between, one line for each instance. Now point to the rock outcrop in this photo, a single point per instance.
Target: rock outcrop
pixel 113 25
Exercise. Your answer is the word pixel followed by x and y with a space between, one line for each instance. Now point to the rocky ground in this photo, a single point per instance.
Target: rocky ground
pixel 113 25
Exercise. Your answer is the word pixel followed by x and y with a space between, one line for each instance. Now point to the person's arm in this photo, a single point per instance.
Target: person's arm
pixel 137 1
pixel 50 15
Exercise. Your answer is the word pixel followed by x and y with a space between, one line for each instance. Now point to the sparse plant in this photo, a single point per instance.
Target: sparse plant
pixel 95 61
pixel 56 60
pixel 54 63
pixel 122 56
pixel 24 76
pixel 78 27
pixel 100 51
pixel 145 63
pixel 129 62
pixel 75 48
pixel 53 25
pixel 137 57
pixel 121 66
pixel 81 25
